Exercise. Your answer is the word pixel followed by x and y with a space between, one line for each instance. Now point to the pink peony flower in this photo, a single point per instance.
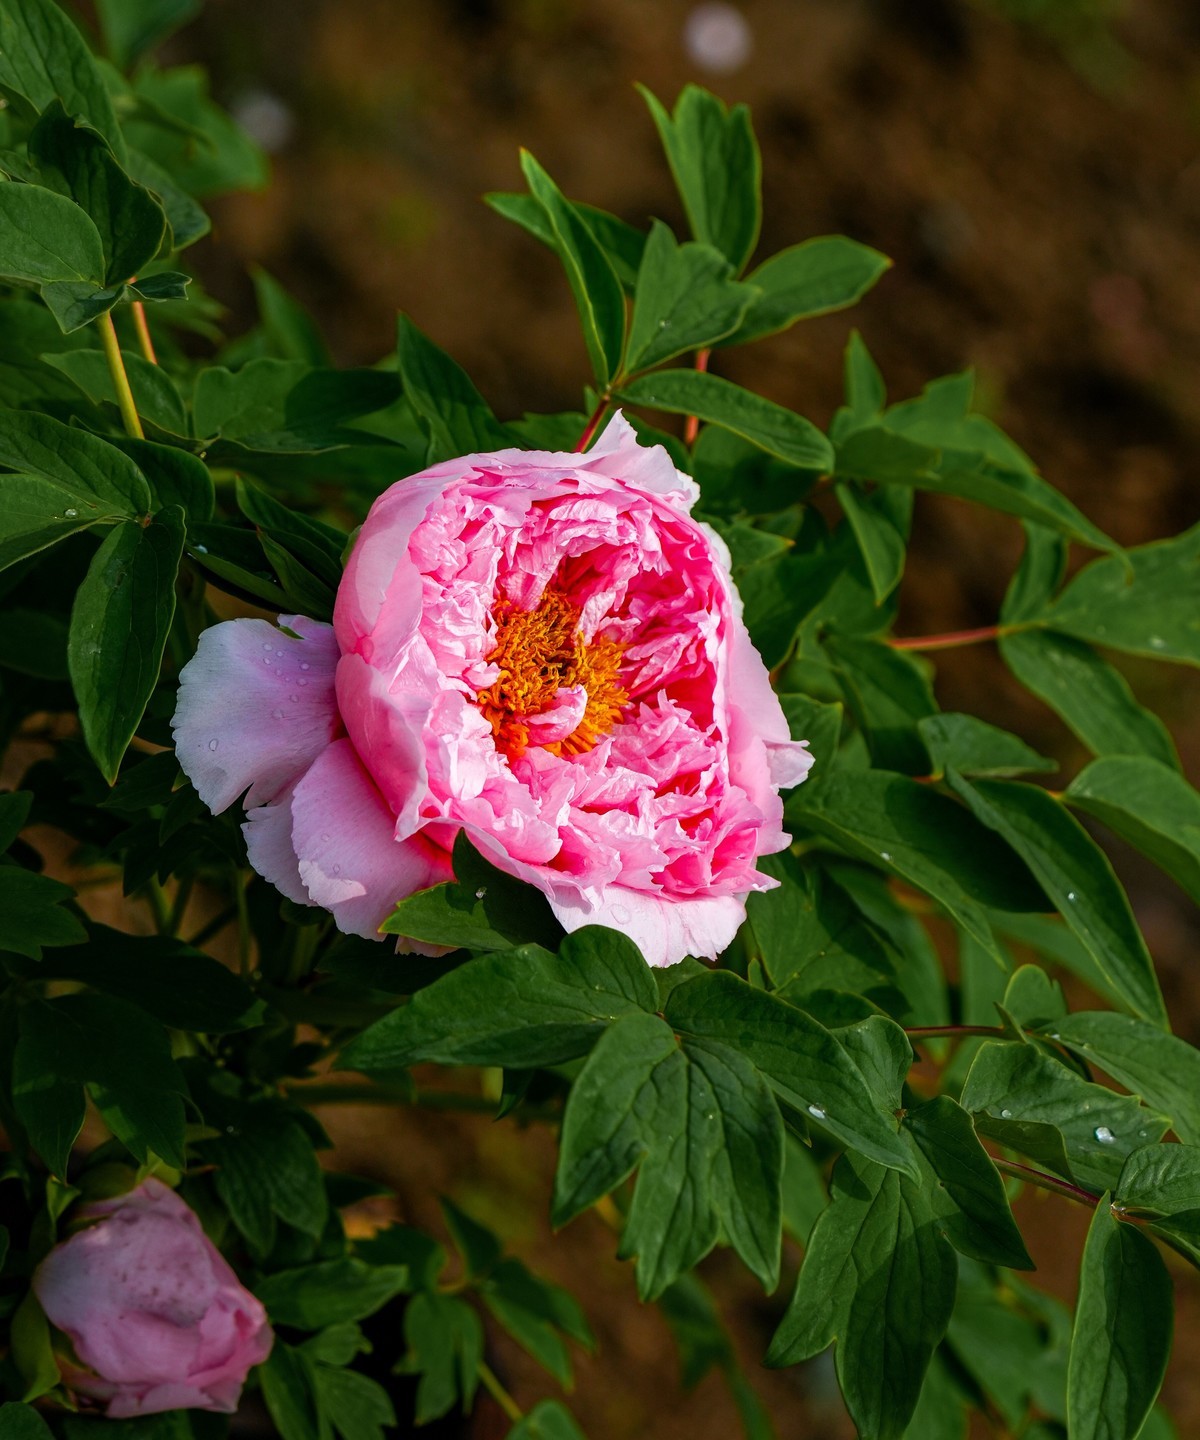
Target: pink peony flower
pixel 542 649
pixel 157 1318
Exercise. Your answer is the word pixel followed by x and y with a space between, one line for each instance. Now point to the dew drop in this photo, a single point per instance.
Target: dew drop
pixel 268 646
pixel 1156 641
pixel 1006 1114
pixel 293 697
pixel 71 514
pixel 302 681
pixel 279 653
pixel 337 869
pixel 481 892
pixel 304 665
pixel 817 1112
pixel 325 839
pixel 276 714
pixel 212 744
pixel 1104 1135
pixel 883 855
pixel 1070 894
pixel 200 549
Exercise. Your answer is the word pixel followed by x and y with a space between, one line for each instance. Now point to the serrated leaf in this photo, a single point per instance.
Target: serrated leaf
pixel 879 1278
pixel 621 242
pixel 686 299
pixel 1150 806
pixel 335 1292
pixel 445 1339
pixel 719 402
pixel 968 1195
pixel 1076 875
pixel 1162 1069
pixel 358 1407
pixel 289 1386
pixel 548 1420
pixel 800 1059
pixel 701 1125
pixel 715 161
pixel 119 625
pixel 31 913
pixel 1022 1098
pixel 815 277
pixel 1122 1336
pixel 599 297
pixel 155 395
pixel 536 1314
pixel 521 1007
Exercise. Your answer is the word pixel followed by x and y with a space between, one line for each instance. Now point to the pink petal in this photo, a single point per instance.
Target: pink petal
pixel 387 728
pixel 664 928
pixel 648 467
pixel 269 848
pixel 343 832
pixel 255 709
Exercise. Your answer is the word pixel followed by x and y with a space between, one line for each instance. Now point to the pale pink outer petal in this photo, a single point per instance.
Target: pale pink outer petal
pixel 269 848
pixel 255 709
pixel 349 860
pixel 618 453
pixel 664 928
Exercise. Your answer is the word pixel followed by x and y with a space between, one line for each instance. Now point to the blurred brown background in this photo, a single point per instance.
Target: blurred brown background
pixel 1033 168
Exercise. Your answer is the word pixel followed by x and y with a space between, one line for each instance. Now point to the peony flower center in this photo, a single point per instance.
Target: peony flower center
pixel 540 653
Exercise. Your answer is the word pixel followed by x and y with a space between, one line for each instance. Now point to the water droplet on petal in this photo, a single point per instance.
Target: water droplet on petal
pixel 276 714
pixel 817 1112
pixel 325 839
pixel 301 682
pixel 268 646
pixel 293 697
pixel 304 665
pixel 337 869
pixel 279 653
pixel 1104 1135
pixel 212 744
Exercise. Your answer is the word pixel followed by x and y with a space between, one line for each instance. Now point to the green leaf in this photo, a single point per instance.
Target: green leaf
pixel 598 294
pixel 888 694
pixel 715 161
pixel 23 1422
pixel 14 814
pixel 1150 806
pixel 879 1278
pixel 810 935
pixel 923 838
pixel 482 909
pixel 880 522
pixel 289 329
pixel 185 216
pixel 445 1340
pixel 74 159
pixel 621 242
pixel 1078 878
pixel 548 1420
pixel 799 1058
pixel 131 26
pixel 182 987
pixel 818 723
pixel 701 1124
pixel 358 1407
pixel 31 913
pixel 1022 1098
pixel 285 407
pixel 1145 601
pixel 915 459
pixel 966 1192
pixel 478 1246
pixel 122 1056
pixel 119 626
pixel 686 300
pixel 440 391
pixel 180 128
pixel 521 1007
pixel 1122 1336
pixel 813 278
pixel 333 1293
pixel 43 57
pixel 866 394
pixel 1160 1185
pixel 1091 696
pixel 289 1388
pixel 155 394
pixel 32 1350
pixel 82 466
pixel 536 1314
pixel 47 238
pixel 1162 1069
pixel 175 476
pixel 973 747
pixel 719 402
pixel 314 544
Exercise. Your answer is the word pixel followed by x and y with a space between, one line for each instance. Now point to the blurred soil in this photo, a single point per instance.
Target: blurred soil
pixel 1045 228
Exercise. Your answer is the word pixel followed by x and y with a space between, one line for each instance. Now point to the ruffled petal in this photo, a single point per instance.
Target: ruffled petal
pixel 349 859
pixel 256 707
pixel 664 928
pixel 618 454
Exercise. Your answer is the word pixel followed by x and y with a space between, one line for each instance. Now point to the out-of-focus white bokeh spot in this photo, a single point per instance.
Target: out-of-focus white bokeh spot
pixel 265 118
pixel 717 37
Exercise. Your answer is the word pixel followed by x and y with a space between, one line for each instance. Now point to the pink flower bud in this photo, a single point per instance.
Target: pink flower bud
pixel 157 1319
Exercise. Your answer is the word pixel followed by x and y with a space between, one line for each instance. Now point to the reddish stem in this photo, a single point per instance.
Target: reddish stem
pixel 593 424
pixel 950 640
pixel 143 331
pixel 692 428
pixel 924 1032
pixel 1047 1182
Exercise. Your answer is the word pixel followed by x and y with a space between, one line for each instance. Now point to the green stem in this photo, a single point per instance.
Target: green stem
pixel 927 1032
pixel 499 1394
pixel 953 638
pixel 116 368
pixel 1046 1182
pixel 183 893
pixel 245 939
pixel 157 899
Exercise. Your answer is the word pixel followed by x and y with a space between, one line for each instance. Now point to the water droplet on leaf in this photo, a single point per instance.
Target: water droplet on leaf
pixel 1104 1135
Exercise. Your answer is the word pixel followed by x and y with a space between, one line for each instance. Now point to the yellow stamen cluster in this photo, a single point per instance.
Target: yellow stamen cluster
pixel 540 652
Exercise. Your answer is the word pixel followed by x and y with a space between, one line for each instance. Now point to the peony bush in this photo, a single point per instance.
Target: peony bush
pixel 571 761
